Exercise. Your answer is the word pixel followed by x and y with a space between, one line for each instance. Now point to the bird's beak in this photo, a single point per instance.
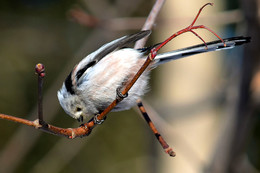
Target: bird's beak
pixel 80 119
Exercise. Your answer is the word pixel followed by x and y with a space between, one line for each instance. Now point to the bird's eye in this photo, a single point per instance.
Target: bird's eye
pixel 78 109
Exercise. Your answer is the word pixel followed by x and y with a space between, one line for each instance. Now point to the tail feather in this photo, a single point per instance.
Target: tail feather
pixel 197 49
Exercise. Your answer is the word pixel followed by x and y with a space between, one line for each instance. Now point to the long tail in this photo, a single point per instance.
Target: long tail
pixel 197 49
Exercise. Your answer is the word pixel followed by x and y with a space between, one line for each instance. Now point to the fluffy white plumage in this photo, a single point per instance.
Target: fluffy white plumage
pixel 92 84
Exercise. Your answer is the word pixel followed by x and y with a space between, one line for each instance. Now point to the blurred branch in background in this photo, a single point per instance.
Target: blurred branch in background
pixel 132 23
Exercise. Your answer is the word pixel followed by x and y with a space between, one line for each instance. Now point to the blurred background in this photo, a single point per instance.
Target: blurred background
pixel 206 106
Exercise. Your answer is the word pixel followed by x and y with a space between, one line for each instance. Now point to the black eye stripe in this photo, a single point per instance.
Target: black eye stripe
pixel 82 71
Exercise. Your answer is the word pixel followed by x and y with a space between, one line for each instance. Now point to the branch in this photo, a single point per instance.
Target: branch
pixel 134 23
pixel 150 22
pixel 67 132
pixel 86 128
pixel 151 57
pixel 40 70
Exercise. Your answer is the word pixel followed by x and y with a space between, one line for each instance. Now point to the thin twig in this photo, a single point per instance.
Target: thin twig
pixel 159 137
pixel 40 71
pixel 150 22
pixel 17 120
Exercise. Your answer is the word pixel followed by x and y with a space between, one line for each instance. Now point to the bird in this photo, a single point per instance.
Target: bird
pixel 93 83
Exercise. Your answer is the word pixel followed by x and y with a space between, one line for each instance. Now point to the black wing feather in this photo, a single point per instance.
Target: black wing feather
pixel 122 43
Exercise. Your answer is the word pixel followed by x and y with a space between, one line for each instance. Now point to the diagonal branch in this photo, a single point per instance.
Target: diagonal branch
pixel 150 58
pixel 86 128
pixel 150 22
pixel 159 137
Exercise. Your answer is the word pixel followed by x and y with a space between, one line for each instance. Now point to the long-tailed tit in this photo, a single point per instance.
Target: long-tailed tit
pixel 92 84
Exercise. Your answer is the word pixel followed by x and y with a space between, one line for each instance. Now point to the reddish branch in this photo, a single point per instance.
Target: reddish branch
pixel 85 129
pixel 152 55
pixel 159 137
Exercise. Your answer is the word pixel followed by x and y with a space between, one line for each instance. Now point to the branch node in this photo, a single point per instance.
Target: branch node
pixel 152 54
pixel 37 124
pixel 170 152
pixel 73 134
